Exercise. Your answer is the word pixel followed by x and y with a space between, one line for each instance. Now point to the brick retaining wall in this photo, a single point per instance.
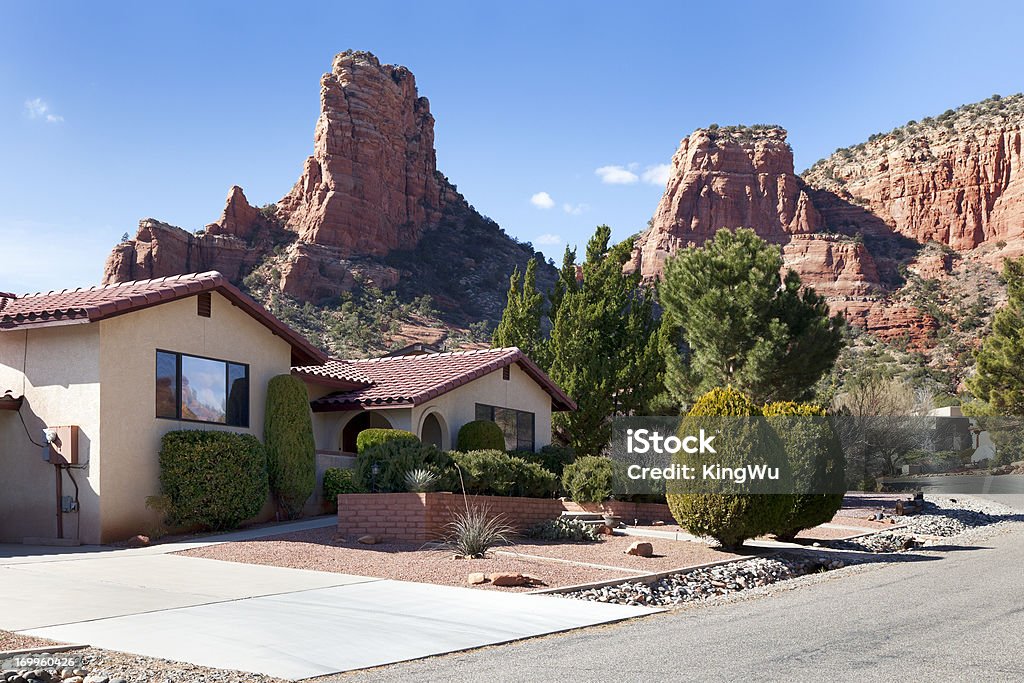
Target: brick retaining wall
pixel 421 517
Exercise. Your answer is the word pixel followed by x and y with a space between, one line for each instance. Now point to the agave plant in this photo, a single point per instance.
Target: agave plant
pixel 420 480
pixel 474 531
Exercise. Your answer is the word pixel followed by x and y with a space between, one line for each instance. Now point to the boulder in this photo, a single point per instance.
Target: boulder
pixel 476 578
pixel 640 549
pixel 368 540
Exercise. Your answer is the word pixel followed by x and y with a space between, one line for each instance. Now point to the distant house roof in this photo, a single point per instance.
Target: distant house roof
pixel 394 381
pixel 417 348
pixel 89 305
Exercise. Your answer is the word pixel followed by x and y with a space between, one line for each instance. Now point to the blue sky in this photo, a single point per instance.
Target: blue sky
pixel 111 112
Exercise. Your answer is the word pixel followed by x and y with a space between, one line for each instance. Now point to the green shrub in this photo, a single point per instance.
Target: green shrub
pixel 531 480
pixel 214 480
pixel 589 479
pixel 564 529
pixel 394 459
pixel 552 458
pixel 375 437
pixel 481 435
pixel 485 472
pixel 337 481
pixel 291 449
pixel 496 473
pixel 729 516
pixel 817 463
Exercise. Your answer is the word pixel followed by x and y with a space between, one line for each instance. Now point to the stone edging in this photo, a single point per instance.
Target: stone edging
pixel 4 654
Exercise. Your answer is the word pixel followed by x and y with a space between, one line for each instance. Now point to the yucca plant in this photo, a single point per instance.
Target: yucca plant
pixel 420 480
pixel 474 531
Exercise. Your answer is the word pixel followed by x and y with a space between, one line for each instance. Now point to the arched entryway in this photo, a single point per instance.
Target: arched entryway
pixel 365 420
pixel 434 431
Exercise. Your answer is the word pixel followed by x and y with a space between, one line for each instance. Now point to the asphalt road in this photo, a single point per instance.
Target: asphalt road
pixel 956 616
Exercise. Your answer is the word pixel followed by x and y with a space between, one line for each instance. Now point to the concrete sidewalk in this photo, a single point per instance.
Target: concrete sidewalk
pixel 289 623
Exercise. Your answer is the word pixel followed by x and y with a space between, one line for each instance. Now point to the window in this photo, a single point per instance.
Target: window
pixel 517 425
pixel 200 389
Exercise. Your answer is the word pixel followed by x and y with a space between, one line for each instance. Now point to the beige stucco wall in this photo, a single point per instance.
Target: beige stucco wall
pixel 130 431
pixel 455 408
pixel 58 371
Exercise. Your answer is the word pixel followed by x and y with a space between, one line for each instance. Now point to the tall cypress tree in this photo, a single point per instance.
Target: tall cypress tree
pixel 742 324
pixel 521 321
pixel 603 344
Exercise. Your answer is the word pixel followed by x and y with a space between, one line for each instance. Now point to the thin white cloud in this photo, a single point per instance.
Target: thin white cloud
pixel 548 239
pixel 657 175
pixel 574 209
pixel 37 108
pixel 542 200
pixel 616 175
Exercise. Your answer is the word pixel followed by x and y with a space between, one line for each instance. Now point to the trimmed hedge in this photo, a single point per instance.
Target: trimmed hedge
pixel 369 438
pixel 481 435
pixel 396 457
pixel 496 473
pixel 552 458
pixel 214 480
pixel 729 517
pixel 817 461
pixel 291 449
pixel 589 479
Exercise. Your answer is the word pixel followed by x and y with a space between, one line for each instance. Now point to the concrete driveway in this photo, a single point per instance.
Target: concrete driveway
pixel 289 623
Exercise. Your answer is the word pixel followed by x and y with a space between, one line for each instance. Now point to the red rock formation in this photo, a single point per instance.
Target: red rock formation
pixel 372 184
pixel 370 187
pixel 834 267
pixel 961 188
pixel 159 250
pixel 898 324
pixel 727 178
pixel 238 219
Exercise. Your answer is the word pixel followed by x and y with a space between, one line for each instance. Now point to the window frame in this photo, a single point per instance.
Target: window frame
pixel 178 355
pixel 480 409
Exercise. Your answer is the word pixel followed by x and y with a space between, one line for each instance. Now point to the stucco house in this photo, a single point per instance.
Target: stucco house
pixel 432 395
pixel 124 364
pixel 111 369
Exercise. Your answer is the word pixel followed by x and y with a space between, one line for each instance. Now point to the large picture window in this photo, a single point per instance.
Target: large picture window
pixel 200 389
pixel 516 425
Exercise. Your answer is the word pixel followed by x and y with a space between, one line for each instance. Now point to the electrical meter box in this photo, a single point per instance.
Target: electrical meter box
pixel 64 449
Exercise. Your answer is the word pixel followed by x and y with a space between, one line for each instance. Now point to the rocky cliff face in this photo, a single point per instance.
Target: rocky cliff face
pixel 371 185
pixel 744 177
pixel 957 179
pixel 357 216
pixel 727 177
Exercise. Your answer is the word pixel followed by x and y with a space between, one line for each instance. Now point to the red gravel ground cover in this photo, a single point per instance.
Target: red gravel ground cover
pixel 316 549
pixel 15 641
pixel 668 554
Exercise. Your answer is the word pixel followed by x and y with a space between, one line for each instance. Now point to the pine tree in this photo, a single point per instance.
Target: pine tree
pixel 999 380
pixel 521 321
pixel 736 322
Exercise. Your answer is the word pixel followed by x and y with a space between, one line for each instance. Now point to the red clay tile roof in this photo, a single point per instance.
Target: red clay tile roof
pixel 413 380
pixel 92 304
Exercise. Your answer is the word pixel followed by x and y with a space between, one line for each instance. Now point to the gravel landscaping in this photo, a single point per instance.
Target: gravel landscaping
pixel 708 583
pixel 316 549
pixel 16 641
pixel 668 554
pixel 941 518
